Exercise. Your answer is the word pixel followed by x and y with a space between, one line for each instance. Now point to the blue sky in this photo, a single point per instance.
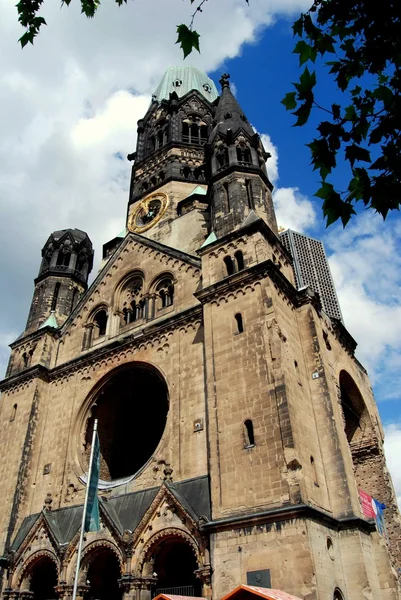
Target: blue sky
pixel 70 106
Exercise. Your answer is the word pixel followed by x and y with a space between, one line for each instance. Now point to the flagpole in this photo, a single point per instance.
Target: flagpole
pixel 81 537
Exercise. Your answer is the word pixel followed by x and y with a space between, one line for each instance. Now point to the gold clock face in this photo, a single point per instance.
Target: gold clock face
pixel 148 212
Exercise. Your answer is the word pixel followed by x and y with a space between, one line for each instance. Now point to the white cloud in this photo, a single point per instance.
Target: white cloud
pixel 272 161
pixel 366 268
pixel 293 209
pixel 392 447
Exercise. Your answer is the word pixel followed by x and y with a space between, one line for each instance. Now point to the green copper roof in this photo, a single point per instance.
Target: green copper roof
pixel 198 190
pixel 51 321
pixel 184 79
pixel 209 240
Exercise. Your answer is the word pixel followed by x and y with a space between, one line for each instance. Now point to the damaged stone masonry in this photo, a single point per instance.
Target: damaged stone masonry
pixel 235 424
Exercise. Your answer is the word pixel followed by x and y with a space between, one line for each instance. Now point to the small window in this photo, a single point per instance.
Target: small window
pixel 100 321
pixel 207 88
pixel 227 197
pixel 13 413
pixel 239 259
pixel 229 265
pixel 240 324
pixel 314 473
pixel 55 296
pixel 177 83
pixel 249 435
pixel 338 595
pixel 74 298
pixel 249 196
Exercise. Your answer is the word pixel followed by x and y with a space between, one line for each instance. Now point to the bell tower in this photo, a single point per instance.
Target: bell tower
pixel 239 183
pixel 67 260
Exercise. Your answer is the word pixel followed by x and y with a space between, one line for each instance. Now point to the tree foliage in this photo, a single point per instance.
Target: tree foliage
pixel 364 42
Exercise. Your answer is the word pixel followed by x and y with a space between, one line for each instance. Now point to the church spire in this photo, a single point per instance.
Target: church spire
pixel 239 181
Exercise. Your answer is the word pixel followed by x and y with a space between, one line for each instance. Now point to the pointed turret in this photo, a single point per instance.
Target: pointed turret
pixel 239 181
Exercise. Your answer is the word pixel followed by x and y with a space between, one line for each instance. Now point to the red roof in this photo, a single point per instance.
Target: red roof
pixel 171 597
pixel 266 593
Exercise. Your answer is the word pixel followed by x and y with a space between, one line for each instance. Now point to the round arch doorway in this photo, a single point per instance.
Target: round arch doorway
pixel 44 579
pixel 174 566
pixel 103 575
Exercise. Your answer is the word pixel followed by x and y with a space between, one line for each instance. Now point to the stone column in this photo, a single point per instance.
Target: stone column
pixel 205 575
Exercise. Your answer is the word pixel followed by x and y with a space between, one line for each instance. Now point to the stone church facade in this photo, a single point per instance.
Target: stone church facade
pixel 235 423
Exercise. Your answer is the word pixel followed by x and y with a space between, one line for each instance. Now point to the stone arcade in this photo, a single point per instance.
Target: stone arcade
pixel 235 423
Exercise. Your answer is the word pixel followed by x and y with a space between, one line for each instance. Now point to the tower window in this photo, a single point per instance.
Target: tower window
pixel 239 259
pixel 55 296
pixel 207 88
pixel 63 259
pixel 177 83
pixel 244 154
pixel 222 157
pixel 229 265
pixel 249 196
pixel 186 172
pixel 194 132
pixel 249 435
pixel 100 321
pixel 239 322
pixel 74 298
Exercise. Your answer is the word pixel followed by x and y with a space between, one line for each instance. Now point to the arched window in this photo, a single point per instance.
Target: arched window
pixel 338 595
pixel 244 154
pixel 165 293
pixel 100 322
pixel 186 171
pixel 194 131
pixel 227 196
pixel 132 306
pixel 239 259
pixel 240 324
pixel 249 435
pixel 55 296
pixel 229 265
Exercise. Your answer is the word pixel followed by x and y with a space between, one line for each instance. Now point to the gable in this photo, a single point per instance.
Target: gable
pixel 143 282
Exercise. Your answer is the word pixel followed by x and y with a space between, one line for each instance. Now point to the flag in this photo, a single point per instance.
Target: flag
pixel 92 522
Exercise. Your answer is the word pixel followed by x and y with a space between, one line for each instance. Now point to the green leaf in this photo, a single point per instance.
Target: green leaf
pixel 303 114
pixel 187 39
pixel 307 81
pixel 323 157
pixel 353 153
pixel 298 26
pixel 305 51
pixel 289 101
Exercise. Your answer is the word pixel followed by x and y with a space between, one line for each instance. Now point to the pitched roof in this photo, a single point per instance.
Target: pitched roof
pixel 124 511
pixel 246 591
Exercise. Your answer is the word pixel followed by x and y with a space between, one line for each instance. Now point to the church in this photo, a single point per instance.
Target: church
pixel 236 426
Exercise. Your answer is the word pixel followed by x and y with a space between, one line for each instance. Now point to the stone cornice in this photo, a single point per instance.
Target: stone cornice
pixel 257 225
pixel 34 335
pixel 116 345
pixel 288 513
